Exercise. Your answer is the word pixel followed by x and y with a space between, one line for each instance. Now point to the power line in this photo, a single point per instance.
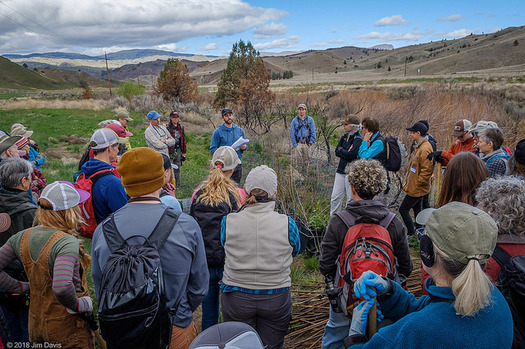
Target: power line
pixel 28 28
pixel 38 24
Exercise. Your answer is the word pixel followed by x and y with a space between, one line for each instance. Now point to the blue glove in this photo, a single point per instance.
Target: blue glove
pixel 359 317
pixel 363 285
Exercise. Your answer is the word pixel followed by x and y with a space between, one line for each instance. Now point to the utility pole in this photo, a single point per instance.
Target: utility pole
pixel 107 70
pixel 406 59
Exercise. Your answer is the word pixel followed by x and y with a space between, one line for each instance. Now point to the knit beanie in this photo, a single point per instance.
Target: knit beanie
pixel 141 171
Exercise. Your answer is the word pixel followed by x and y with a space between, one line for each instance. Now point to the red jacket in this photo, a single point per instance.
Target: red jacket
pixel 457 147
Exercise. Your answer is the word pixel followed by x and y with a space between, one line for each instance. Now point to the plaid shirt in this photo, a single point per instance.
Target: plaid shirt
pixel 496 163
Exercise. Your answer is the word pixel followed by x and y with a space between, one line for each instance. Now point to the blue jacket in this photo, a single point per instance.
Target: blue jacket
pixel 431 322
pixel 182 257
pixel 36 157
pixel 108 194
pixel 226 136
pixel 301 131
pixel 375 148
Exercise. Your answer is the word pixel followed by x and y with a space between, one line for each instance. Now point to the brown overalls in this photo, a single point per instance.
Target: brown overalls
pixel 48 319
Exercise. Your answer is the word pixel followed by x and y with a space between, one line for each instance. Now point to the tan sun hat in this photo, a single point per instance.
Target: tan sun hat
pixel 228 158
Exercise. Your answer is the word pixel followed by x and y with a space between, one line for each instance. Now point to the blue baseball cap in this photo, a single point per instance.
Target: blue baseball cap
pixel 153 115
pixel 226 111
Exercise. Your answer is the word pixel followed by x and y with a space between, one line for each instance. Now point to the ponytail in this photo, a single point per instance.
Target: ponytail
pixel 471 286
pixel 217 188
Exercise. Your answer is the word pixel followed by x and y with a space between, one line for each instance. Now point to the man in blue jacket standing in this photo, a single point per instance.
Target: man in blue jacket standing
pixel 302 136
pixel 108 194
pixel 227 134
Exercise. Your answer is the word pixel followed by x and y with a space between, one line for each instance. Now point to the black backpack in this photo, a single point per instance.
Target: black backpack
pixel 396 153
pixel 511 283
pixel 132 307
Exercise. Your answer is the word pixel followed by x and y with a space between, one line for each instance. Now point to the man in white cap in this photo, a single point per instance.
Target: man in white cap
pixel 157 136
pixel 108 194
pixel 302 136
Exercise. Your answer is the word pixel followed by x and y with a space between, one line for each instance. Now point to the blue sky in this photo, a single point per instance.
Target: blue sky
pixel 212 26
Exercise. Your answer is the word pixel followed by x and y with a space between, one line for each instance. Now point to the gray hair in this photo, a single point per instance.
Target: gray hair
pixel 12 170
pixel 368 177
pixel 504 200
pixel 494 135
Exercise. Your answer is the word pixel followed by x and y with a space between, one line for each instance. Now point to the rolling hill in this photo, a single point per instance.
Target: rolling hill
pixel 496 54
pixel 14 76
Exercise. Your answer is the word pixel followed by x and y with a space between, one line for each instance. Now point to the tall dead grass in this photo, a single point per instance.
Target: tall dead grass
pixel 30 103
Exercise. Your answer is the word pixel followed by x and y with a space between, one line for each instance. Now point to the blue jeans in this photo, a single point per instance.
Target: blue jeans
pixel 17 323
pixel 335 331
pixel 210 304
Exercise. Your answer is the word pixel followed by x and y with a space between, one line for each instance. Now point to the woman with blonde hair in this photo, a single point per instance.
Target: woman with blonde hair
pixel 55 261
pixel 464 309
pixel 215 198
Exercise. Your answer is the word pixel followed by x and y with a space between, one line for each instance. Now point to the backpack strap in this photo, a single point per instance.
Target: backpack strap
pixel 504 156
pixel 347 218
pixel 501 256
pixel 163 228
pixel 350 221
pixel 385 222
pixel 156 239
pixel 97 175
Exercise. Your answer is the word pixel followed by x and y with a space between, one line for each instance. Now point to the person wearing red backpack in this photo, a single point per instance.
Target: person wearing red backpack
pixel 367 179
pixel 108 194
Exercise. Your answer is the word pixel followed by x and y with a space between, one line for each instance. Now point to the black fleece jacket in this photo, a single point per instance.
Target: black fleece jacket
pixel 209 218
pixel 336 230
pixel 347 150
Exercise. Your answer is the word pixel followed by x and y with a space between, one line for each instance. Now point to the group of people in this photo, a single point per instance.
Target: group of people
pixel 224 254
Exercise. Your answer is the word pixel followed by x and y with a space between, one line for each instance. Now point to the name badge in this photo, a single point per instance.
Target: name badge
pixel 413 169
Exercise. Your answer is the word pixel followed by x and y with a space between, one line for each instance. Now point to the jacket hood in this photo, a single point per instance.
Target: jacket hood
pixel 225 128
pixel 489 155
pixel 368 208
pixel 94 165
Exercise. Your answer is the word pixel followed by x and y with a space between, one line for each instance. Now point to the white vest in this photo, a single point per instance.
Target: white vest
pixel 258 250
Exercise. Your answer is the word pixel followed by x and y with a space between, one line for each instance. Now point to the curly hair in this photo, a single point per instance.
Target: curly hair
pixel 504 200
pixel 368 177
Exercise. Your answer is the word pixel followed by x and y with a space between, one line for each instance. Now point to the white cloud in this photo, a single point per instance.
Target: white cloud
pixel 319 44
pixel 451 18
pixel 270 30
pixel 210 47
pixel 336 41
pixel 460 33
pixel 390 36
pixel 284 43
pixel 335 30
pixel 393 20
pixel 172 47
pixel 86 25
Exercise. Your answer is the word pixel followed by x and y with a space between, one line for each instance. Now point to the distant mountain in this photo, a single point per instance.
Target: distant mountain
pixel 501 53
pixel 136 54
pixel 383 47
pixel 63 55
pixel 119 55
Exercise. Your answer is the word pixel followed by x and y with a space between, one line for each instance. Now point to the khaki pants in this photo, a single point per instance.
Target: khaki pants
pixel 181 338
pixel 301 158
